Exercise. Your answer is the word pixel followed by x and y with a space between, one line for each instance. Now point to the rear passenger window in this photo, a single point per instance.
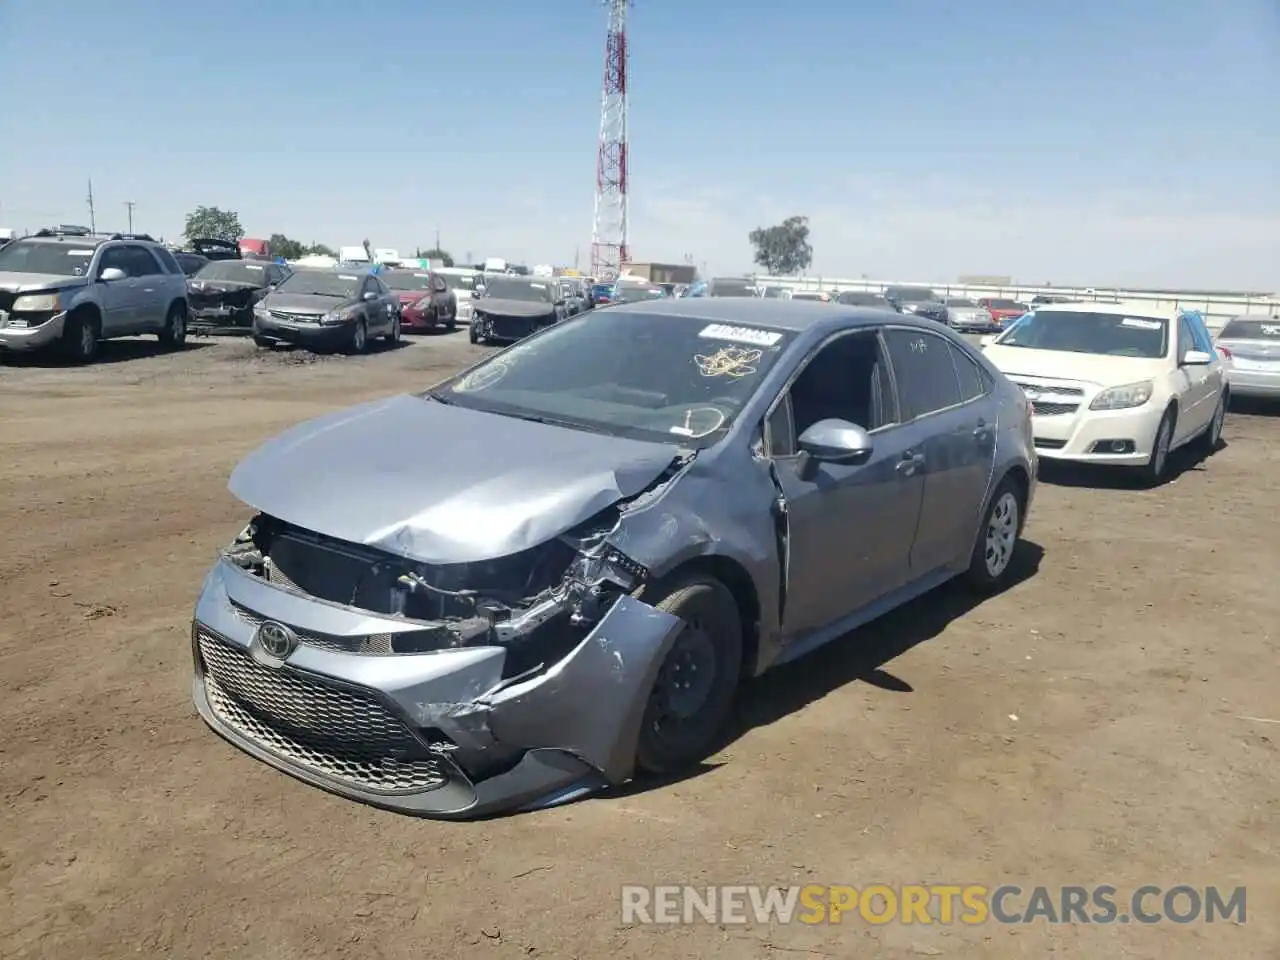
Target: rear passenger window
pixel 924 370
pixel 973 381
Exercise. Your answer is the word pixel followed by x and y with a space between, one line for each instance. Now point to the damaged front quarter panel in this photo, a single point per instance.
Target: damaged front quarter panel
pixel 592 702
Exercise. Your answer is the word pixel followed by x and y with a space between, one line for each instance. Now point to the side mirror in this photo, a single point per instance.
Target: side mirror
pixel 111 274
pixel 987 340
pixel 370 296
pixel 832 441
pixel 1196 358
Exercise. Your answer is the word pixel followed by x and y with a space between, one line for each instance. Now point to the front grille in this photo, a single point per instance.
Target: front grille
pixel 1043 409
pixel 341 734
pixel 295 317
pixel 374 644
pixel 1061 390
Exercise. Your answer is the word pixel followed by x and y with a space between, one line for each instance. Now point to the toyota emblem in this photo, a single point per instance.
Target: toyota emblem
pixel 275 640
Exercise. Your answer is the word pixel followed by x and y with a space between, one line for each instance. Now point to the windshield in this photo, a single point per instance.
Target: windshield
pixel 321 283
pixel 235 271
pixel 808 295
pixel 731 288
pixel 516 288
pixel 63 259
pixel 631 292
pixel 629 374
pixel 406 280
pixel 1248 328
pixel 961 302
pixel 854 298
pixel 911 294
pixel 1109 334
pixel 1004 305
pixel 459 281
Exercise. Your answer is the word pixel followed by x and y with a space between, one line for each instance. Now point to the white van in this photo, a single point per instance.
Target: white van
pixel 353 255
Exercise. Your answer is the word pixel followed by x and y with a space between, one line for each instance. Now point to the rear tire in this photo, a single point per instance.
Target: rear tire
pixel 474 334
pixel 393 337
pixel 174 334
pixel 80 338
pixel 694 690
pixel 991 561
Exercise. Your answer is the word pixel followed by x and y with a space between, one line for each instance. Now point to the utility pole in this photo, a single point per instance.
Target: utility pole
pixel 93 224
pixel 130 204
pixel 437 239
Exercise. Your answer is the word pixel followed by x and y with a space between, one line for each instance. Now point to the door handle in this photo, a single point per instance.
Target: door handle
pixel 909 462
pixel 981 431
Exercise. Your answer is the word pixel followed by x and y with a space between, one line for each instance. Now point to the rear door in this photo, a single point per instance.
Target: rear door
pixel 955 441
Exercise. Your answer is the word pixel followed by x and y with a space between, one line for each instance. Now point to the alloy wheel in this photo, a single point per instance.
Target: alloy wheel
pixel 1002 534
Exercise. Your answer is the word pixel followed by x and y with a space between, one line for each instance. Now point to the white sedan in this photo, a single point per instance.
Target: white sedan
pixel 1114 383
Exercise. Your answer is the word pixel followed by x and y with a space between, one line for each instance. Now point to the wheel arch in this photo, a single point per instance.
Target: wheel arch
pixel 739 583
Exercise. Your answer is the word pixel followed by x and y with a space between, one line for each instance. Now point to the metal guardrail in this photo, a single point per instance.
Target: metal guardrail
pixel 1216 308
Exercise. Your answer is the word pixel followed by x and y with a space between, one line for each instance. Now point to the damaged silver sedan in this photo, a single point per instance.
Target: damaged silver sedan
pixel 550 573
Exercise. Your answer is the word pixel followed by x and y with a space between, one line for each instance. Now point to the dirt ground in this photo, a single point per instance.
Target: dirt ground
pixel 1138 655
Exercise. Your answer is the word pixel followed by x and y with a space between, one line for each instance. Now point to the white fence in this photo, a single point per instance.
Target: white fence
pixel 1216 308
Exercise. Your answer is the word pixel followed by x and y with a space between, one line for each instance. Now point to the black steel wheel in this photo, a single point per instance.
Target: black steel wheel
pixel 695 686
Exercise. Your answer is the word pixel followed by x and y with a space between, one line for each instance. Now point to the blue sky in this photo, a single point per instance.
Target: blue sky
pixel 1095 141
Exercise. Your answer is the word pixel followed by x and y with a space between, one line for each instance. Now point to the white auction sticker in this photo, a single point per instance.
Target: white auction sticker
pixel 251 266
pixel 752 335
pixel 345 277
pixel 79 253
pixel 1141 324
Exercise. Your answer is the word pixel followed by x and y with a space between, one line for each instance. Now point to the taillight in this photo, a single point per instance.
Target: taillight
pixel 1226 354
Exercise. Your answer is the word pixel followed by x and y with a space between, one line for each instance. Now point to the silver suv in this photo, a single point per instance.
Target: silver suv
pixel 71 289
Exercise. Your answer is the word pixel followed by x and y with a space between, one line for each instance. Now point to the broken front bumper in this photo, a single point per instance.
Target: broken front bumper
pixel 439 734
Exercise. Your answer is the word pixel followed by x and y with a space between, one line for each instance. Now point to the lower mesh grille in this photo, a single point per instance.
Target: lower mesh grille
pixel 342 734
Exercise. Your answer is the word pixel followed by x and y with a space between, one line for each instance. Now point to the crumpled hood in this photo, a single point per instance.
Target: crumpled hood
pixel 513 308
pixel 24 282
pixel 442 484
pixel 1105 371
pixel 222 286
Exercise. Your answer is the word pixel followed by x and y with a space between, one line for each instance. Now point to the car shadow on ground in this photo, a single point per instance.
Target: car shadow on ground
pixel 858 655
pixel 109 351
pixel 1188 459
pixel 1255 407
pixel 862 654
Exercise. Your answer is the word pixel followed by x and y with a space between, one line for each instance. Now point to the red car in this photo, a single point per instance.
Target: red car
pixel 426 302
pixel 1002 311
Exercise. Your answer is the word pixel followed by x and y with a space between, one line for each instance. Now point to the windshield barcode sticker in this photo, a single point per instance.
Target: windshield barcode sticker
pixel 343 277
pixel 250 266
pixel 751 335
pixel 1271 330
pixel 79 253
pixel 1141 324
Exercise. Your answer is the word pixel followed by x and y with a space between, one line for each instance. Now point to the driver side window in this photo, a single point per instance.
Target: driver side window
pixel 847 379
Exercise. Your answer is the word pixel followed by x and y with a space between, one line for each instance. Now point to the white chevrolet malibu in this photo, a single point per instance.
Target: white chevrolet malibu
pixel 1115 383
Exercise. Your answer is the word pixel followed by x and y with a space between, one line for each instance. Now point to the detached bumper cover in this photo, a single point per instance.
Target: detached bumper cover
pixel 304 334
pixel 18 333
pixel 439 734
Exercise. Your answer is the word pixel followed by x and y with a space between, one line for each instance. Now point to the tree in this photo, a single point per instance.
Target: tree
pixel 435 253
pixel 320 250
pixel 282 246
pixel 213 223
pixel 784 249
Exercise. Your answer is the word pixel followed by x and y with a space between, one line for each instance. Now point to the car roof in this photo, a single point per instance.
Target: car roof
pixel 67 240
pixel 794 316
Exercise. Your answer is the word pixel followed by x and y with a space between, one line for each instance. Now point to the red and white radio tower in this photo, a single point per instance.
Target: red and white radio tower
pixel 609 231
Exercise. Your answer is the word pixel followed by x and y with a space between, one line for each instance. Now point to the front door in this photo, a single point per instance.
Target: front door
pixel 848 527
pixel 118 298
pixel 1199 385
pixel 957 438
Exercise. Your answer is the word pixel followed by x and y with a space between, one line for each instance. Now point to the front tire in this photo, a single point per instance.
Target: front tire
pixel 1212 435
pixel 696 682
pixel 80 338
pixel 1157 466
pixel 394 336
pixel 359 342
pixel 991 561
pixel 473 333
pixel 451 324
pixel 173 336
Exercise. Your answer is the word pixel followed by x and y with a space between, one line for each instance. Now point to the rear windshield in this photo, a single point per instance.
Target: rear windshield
pixel 1004 305
pixel 236 271
pixel 406 280
pixel 911 294
pixel 1261 329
